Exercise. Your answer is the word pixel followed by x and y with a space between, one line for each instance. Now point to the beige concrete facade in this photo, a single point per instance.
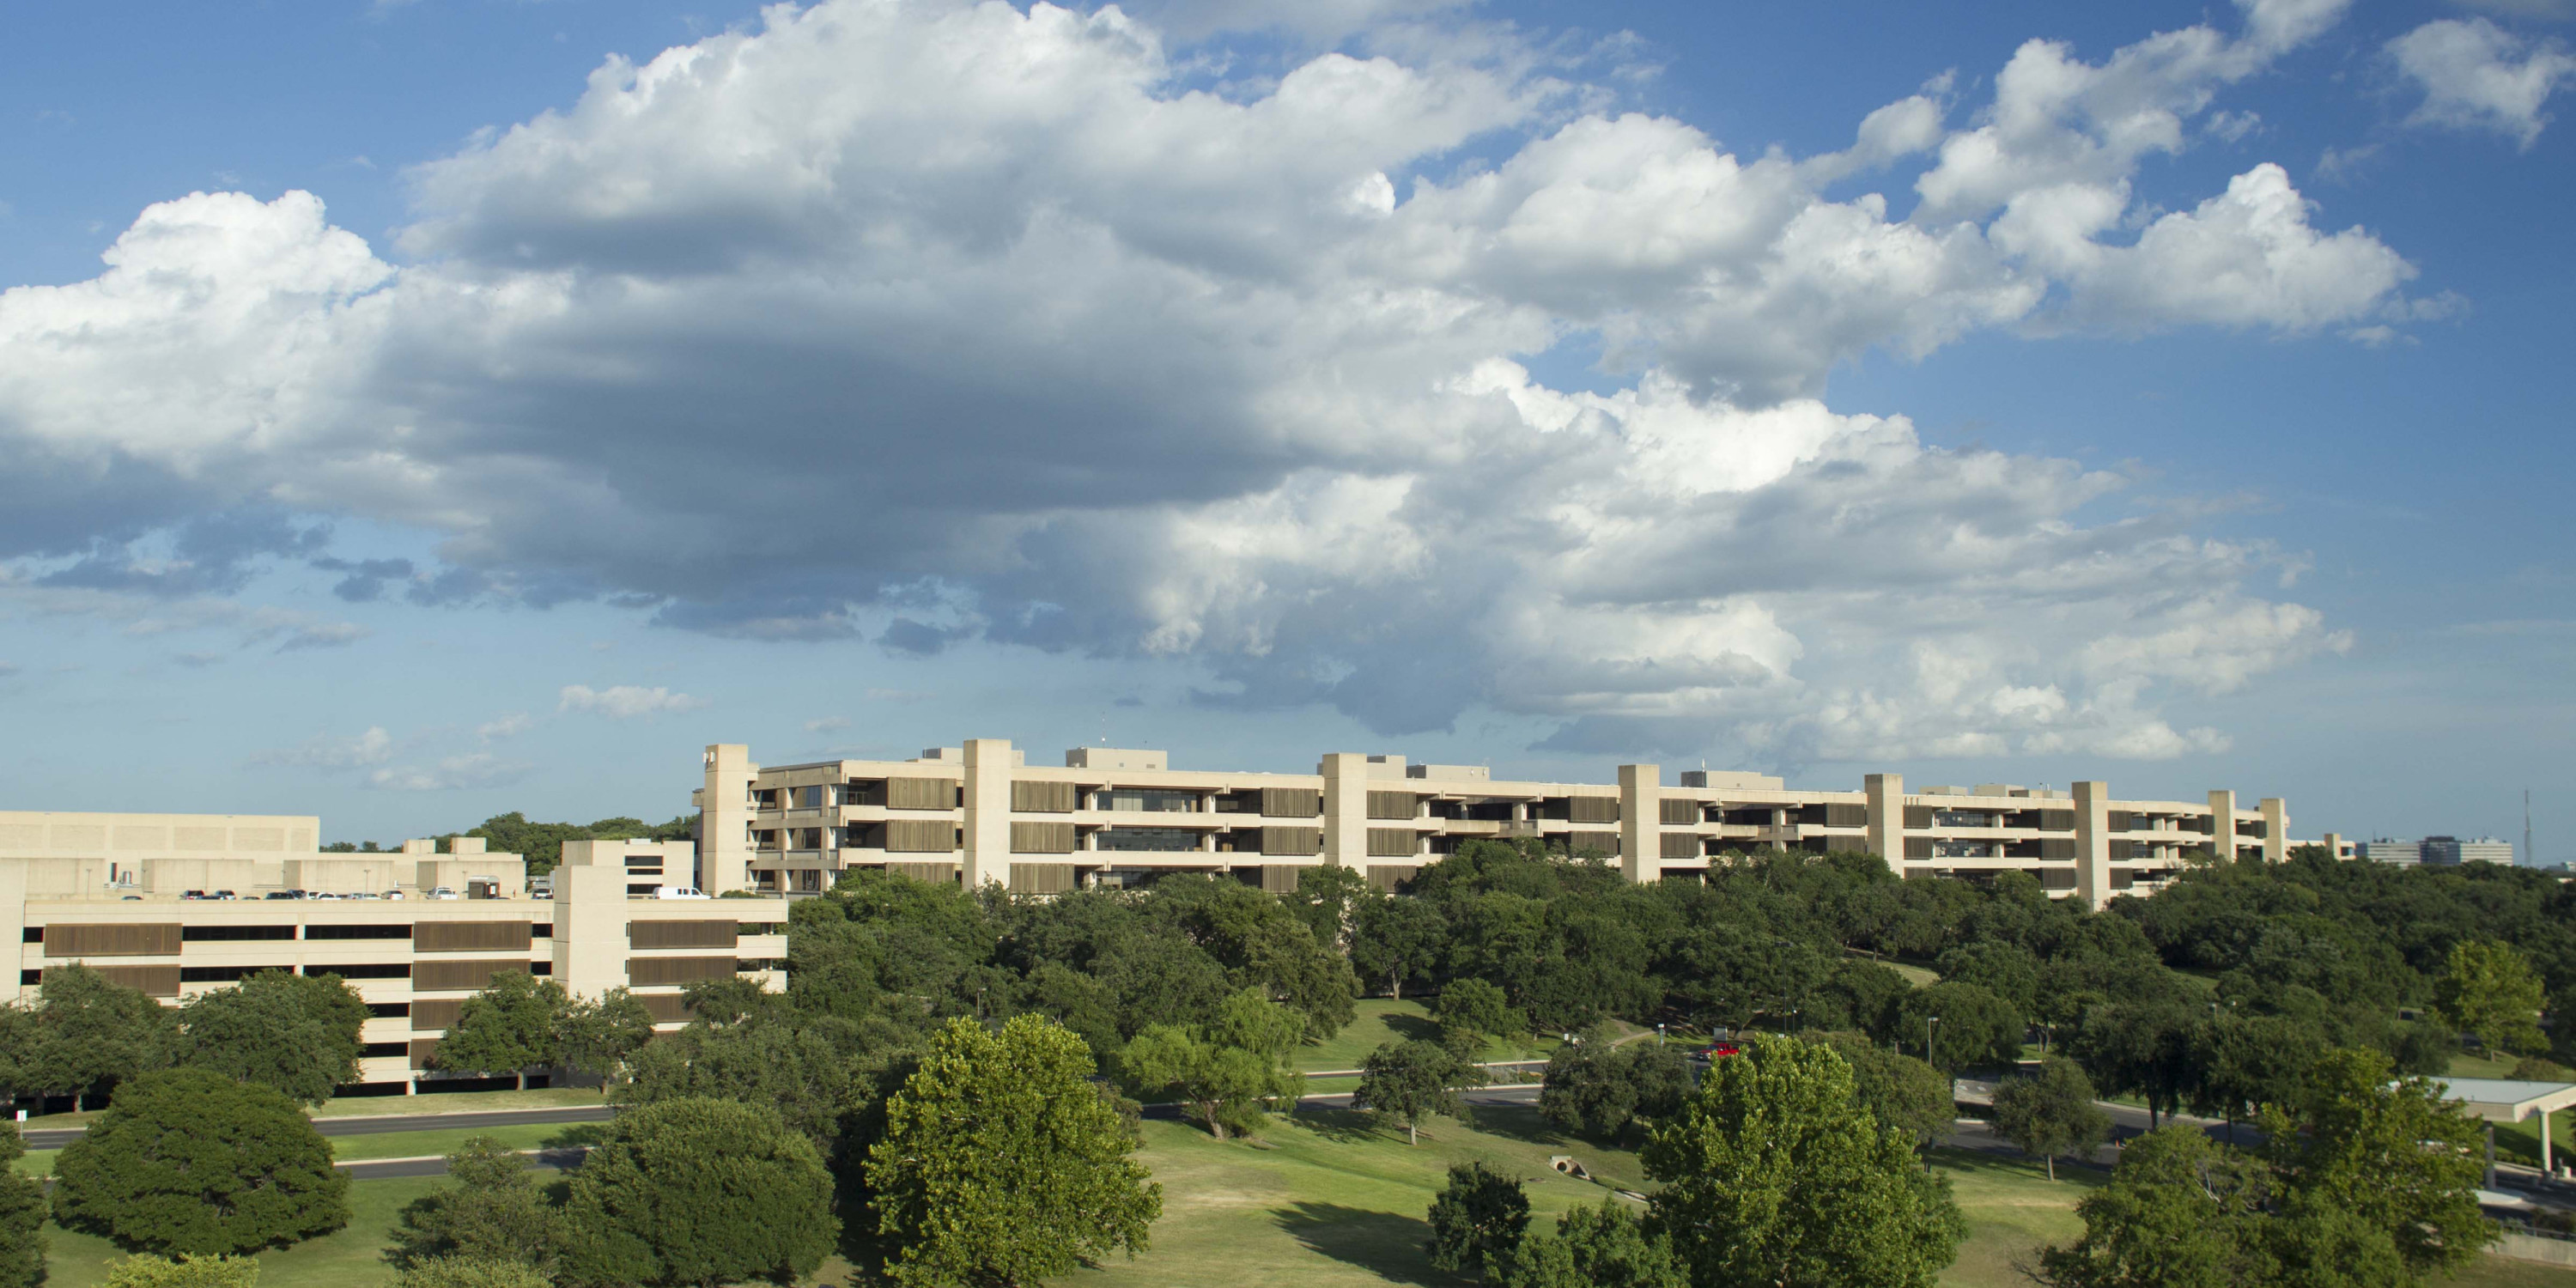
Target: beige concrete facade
pixel 414 959
pixel 981 814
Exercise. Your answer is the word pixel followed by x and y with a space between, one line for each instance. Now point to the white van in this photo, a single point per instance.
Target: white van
pixel 679 892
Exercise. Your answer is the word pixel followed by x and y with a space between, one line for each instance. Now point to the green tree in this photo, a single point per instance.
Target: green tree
pixel 2181 1211
pixel 1478 1219
pixel 89 1033
pixel 1595 1247
pixel 2051 1113
pixel 512 1026
pixel 296 1033
pixel 1002 1164
pixel 697 1192
pixel 1396 941
pixel 1970 1027
pixel 1770 1178
pixel 1602 1090
pixel 793 1068
pixel 1227 1072
pixel 1327 894
pixel 2488 989
pixel 1901 1091
pixel 2392 1153
pixel 490 1211
pixel 188 1161
pixel 2147 1050
pixel 22 1216
pixel 470 1272
pixel 1472 1006
pixel 597 1036
pixel 144 1270
pixel 1410 1081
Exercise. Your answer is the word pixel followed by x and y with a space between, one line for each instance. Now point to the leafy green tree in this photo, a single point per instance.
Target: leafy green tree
pixel 1770 1178
pixel 1327 895
pixel 2244 1062
pixel 791 1067
pixel 1899 1090
pixel 512 1026
pixel 1410 1081
pixel 1397 941
pixel 144 1270
pixel 470 1272
pixel 2488 989
pixel 1478 1219
pixel 1472 1006
pixel 2051 1113
pixel 188 1161
pixel 1594 1247
pixel 1228 1072
pixel 296 1033
pixel 89 1033
pixel 597 1036
pixel 1602 1090
pixel 1970 1026
pixel 22 1216
pixel 697 1192
pixel 1002 1164
pixel 2392 1153
pixel 2146 1050
pixel 491 1211
pixel 2181 1211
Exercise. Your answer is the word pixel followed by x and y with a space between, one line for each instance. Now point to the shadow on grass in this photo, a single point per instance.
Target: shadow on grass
pixel 2018 1169
pixel 1523 1123
pixel 1340 1126
pixel 1381 1242
pixel 579 1136
pixel 1412 1028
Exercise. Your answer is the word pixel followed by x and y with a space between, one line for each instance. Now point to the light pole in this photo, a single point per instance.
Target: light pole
pixel 1928 1022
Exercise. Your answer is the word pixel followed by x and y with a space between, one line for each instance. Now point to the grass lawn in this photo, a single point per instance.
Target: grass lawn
pixel 406 1144
pixel 1380 1020
pixel 355 1255
pixel 460 1102
pixel 2013 1210
pixel 2518 1142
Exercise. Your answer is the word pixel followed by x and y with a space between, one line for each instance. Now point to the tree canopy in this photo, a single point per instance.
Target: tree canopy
pixel 22 1216
pixel 1002 1163
pixel 1410 1081
pixel 185 1161
pixel 1478 1219
pixel 296 1033
pixel 1770 1178
pixel 2051 1113
pixel 697 1191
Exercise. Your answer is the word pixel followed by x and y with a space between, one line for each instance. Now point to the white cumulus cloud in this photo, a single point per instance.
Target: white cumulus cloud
pixel 625 701
pixel 2477 76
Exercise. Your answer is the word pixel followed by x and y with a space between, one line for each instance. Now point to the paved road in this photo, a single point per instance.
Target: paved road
pixel 386 1169
pixel 57 1137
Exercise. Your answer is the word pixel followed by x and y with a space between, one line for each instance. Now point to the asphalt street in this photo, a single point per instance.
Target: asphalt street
pixel 57 1137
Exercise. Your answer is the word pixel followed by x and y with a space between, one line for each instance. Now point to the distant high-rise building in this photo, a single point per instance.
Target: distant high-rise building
pixel 2390 850
pixel 2451 850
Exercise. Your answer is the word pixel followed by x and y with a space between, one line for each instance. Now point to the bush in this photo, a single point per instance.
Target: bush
pixel 698 1191
pixel 147 1271
pixel 471 1272
pixel 491 1212
pixel 186 1162
pixel 22 1216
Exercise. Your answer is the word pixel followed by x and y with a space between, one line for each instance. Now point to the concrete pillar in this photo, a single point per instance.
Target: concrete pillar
pixel 1887 818
pixel 1641 822
pixel 724 819
pixel 2093 843
pixel 2333 841
pixel 1346 783
pixel 2276 829
pixel 988 812
pixel 13 922
pixel 590 928
pixel 2222 824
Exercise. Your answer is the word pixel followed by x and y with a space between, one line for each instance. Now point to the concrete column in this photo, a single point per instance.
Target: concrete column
pixel 2333 841
pixel 1887 818
pixel 1641 822
pixel 590 928
pixel 2093 843
pixel 724 819
pixel 13 923
pixel 988 812
pixel 1346 784
pixel 2222 824
pixel 2276 829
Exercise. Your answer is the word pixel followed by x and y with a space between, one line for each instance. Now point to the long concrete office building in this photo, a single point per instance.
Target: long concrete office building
pixel 127 894
pixel 980 813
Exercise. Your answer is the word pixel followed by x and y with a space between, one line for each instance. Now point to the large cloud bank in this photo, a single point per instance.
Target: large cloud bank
pixel 920 321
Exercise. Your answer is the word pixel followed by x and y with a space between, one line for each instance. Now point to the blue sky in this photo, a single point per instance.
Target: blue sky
pixel 1541 385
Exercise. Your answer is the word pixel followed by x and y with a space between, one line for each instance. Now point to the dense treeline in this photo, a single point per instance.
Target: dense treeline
pixel 542 843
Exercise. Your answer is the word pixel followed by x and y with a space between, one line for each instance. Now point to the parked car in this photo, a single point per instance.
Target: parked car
pixel 395 894
pixel 223 894
pixel 679 892
pixel 283 894
pixel 444 892
pixel 192 894
pixel 363 894
pixel 1718 1051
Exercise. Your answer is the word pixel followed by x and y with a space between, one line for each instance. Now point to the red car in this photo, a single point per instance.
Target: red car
pixel 1718 1051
